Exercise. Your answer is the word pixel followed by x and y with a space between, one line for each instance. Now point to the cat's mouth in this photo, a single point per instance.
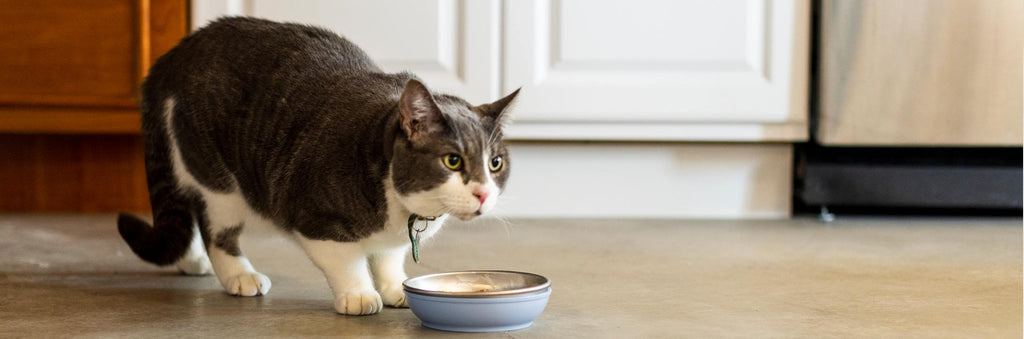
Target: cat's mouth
pixel 463 212
pixel 466 216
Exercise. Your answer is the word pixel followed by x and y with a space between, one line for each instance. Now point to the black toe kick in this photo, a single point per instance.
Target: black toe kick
pixel 981 179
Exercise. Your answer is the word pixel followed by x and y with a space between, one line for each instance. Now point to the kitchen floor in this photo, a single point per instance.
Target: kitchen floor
pixel 72 275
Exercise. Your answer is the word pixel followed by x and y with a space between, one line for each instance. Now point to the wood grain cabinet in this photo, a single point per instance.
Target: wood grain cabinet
pixel 69 80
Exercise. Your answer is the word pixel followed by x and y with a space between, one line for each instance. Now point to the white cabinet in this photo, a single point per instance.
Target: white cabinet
pixel 675 69
pixel 662 70
pixel 650 60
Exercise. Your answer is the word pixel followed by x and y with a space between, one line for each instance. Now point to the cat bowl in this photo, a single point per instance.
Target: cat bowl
pixel 477 301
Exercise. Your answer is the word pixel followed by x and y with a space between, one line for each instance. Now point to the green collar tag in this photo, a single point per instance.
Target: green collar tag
pixel 414 233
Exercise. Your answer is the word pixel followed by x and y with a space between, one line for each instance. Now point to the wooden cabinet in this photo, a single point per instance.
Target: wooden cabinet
pixel 72 66
pixel 69 80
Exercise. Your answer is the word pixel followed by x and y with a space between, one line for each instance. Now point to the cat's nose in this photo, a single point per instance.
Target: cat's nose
pixel 481 195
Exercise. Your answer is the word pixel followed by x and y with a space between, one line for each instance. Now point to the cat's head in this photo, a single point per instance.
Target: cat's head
pixel 451 157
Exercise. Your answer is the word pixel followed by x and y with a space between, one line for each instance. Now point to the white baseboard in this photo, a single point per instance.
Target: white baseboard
pixel 640 180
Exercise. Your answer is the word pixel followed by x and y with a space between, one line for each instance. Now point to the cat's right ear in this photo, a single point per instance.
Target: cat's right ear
pixel 420 114
pixel 497 110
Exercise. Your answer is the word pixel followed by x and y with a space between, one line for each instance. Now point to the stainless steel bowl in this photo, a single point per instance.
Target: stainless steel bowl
pixel 477 284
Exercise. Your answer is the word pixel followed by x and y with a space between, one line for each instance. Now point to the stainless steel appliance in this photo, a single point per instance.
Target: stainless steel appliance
pixel 921 72
pixel 918 105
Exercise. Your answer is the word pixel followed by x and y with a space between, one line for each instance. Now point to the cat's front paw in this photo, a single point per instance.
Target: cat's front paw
pixel 248 284
pixel 393 295
pixel 358 302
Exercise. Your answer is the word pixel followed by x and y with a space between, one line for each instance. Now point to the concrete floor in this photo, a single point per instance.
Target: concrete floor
pixel 856 277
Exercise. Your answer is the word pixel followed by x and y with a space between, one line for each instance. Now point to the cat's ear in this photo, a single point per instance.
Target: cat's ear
pixel 496 110
pixel 420 114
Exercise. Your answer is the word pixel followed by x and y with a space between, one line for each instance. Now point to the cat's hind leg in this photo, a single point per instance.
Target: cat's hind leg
pixel 388 269
pixel 222 224
pixel 195 261
pixel 345 266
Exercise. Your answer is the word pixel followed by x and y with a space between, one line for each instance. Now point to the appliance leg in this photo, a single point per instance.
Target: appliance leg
pixel 825 216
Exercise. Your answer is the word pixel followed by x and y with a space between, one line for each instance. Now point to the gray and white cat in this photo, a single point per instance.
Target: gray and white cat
pixel 249 120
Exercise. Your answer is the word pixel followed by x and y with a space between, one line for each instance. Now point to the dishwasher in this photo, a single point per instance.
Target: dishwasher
pixel 916 104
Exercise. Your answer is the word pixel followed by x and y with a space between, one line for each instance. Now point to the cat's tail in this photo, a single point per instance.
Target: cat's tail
pixel 161 244
pixel 168 239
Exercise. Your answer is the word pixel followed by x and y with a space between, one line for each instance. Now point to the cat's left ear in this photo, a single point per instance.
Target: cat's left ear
pixel 496 110
pixel 420 115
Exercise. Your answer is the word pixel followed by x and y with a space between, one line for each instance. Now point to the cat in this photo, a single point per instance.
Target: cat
pixel 252 120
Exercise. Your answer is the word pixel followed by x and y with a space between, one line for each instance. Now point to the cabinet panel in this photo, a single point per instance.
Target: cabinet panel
pixel 588 31
pixel 76 66
pixel 451 44
pixel 69 52
pixel 422 34
pixel 657 61
pixel 69 124
pixel 72 173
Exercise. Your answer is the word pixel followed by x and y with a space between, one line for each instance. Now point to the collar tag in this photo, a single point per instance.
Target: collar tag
pixel 414 233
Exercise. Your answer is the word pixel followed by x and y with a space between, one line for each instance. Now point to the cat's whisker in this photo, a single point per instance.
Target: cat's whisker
pixel 496 214
pixel 442 210
pixel 508 228
pixel 507 198
pixel 506 224
pixel 493 137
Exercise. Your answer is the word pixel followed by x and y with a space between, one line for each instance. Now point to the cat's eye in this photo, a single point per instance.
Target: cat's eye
pixel 452 161
pixel 496 164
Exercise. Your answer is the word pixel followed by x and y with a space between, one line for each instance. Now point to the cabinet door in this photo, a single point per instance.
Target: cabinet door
pixel 71 66
pixel 451 44
pixel 657 62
